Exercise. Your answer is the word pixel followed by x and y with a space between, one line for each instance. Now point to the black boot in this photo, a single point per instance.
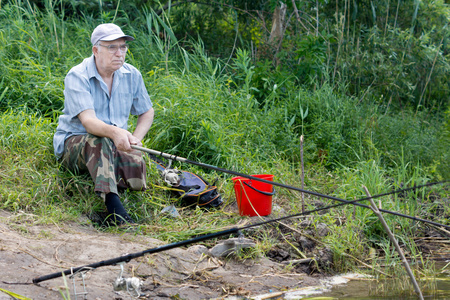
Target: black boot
pixel 117 213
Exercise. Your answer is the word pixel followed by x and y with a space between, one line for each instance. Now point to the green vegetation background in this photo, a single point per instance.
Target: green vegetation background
pixel 369 93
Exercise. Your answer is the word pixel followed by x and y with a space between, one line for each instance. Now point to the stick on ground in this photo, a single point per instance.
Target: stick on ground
pixel 394 241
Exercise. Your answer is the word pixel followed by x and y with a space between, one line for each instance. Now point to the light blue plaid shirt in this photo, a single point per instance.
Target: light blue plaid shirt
pixel 85 89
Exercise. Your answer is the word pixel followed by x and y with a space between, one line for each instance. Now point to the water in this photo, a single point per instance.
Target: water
pixel 355 286
pixel 360 290
pixel 365 290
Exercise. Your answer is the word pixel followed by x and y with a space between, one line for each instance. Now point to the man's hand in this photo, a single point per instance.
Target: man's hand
pixel 135 141
pixel 123 139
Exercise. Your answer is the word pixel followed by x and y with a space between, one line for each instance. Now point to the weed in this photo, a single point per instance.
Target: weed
pixel 232 114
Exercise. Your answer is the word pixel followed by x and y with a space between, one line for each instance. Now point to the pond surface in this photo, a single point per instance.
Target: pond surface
pixel 354 286
pixel 362 289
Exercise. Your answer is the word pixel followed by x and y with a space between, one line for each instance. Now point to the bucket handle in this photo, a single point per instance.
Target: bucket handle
pixel 262 192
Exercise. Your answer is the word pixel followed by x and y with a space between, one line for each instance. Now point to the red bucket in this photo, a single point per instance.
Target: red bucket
pixel 254 198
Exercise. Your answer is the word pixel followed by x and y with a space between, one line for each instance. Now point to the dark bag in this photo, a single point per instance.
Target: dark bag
pixel 190 187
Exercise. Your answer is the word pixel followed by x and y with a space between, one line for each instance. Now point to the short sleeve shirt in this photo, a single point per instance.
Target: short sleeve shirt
pixel 85 89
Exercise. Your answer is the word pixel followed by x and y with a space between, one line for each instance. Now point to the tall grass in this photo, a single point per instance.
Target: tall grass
pixel 26 154
pixel 206 111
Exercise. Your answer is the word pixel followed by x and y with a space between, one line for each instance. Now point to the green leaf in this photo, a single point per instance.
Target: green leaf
pixel 14 295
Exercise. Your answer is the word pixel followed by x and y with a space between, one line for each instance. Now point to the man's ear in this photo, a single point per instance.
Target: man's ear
pixel 95 50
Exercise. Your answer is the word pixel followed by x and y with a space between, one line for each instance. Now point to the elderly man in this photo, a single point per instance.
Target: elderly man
pixel 92 134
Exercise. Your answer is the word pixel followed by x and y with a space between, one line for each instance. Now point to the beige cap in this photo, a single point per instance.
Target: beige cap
pixel 108 32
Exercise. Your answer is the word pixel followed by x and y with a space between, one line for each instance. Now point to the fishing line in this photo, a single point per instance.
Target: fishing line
pixel 234 230
pixel 355 202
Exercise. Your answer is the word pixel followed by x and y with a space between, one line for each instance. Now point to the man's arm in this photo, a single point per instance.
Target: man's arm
pixel 144 123
pixel 121 137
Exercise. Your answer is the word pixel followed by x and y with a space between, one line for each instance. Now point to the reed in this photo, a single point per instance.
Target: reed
pixel 208 110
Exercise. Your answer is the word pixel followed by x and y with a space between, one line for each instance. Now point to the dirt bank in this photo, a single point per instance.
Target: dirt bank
pixel 30 251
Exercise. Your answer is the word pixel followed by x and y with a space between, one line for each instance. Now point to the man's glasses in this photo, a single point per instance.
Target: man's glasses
pixel 113 48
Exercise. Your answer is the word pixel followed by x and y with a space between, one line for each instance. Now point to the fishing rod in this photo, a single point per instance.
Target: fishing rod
pixel 233 230
pixel 345 202
pixel 128 257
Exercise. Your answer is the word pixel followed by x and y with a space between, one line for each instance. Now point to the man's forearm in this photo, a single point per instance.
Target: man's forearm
pixel 95 126
pixel 121 137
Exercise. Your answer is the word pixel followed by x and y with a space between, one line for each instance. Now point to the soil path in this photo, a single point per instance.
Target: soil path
pixel 30 251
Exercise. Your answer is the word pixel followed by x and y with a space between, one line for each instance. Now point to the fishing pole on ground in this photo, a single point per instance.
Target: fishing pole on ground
pixel 234 230
pixel 128 257
pixel 345 202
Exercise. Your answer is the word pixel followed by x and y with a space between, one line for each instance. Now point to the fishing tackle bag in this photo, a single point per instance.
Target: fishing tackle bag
pixel 190 187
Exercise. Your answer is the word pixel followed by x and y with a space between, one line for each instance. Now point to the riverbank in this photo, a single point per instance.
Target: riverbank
pixel 29 251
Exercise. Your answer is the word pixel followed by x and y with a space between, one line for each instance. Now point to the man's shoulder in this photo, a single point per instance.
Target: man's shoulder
pixel 83 67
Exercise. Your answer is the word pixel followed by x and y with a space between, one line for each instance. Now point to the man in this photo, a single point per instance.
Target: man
pixel 99 96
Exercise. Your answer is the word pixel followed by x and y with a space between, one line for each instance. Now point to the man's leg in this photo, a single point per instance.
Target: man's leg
pixel 130 170
pixel 108 167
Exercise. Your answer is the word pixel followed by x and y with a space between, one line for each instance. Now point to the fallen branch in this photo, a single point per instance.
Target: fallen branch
pixel 298 261
pixel 396 245
pixel 366 265
pixel 442 229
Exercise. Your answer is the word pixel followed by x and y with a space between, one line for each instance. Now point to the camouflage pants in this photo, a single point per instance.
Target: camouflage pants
pixel 109 168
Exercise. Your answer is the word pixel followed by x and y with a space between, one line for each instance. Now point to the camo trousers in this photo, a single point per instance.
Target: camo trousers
pixel 110 168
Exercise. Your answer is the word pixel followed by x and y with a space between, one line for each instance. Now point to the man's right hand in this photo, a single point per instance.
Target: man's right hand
pixel 123 139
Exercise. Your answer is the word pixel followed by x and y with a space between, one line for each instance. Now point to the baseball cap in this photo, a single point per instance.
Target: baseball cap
pixel 108 32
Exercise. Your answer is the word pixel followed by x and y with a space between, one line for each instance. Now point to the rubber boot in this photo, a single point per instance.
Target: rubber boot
pixel 117 213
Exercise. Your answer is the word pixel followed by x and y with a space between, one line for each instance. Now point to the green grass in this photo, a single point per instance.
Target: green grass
pixel 207 113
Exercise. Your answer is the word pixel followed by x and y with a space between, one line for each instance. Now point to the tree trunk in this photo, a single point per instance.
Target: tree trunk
pixel 277 25
pixel 277 32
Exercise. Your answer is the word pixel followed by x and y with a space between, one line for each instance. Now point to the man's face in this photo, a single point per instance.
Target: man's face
pixel 107 61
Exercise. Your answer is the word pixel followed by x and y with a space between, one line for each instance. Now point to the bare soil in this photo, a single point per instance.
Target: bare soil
pixel 29 251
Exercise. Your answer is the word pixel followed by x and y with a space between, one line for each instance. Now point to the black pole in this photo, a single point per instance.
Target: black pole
pixel 127 258
pixel 355 202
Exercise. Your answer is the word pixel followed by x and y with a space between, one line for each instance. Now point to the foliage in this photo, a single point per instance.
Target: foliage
pixel 25 178
pixel 32 70
pixel 338 129
pixel 361 97
pixel 395 53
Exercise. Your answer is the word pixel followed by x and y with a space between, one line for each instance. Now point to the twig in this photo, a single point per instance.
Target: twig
pixel 42 261
pixel 298 261
pixel 57 249
pixel 277 275
pixel 435 241
pixel 442 229
pixel 366 265
pixel 394 241
pixel 297 15
pixel 295 248
pixel 303 169
pixel 301 233
pixel 271 295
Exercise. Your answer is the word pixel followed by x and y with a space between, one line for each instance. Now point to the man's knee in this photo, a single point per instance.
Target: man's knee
pixel 102 144
pixel 137 184
pixel 132 173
